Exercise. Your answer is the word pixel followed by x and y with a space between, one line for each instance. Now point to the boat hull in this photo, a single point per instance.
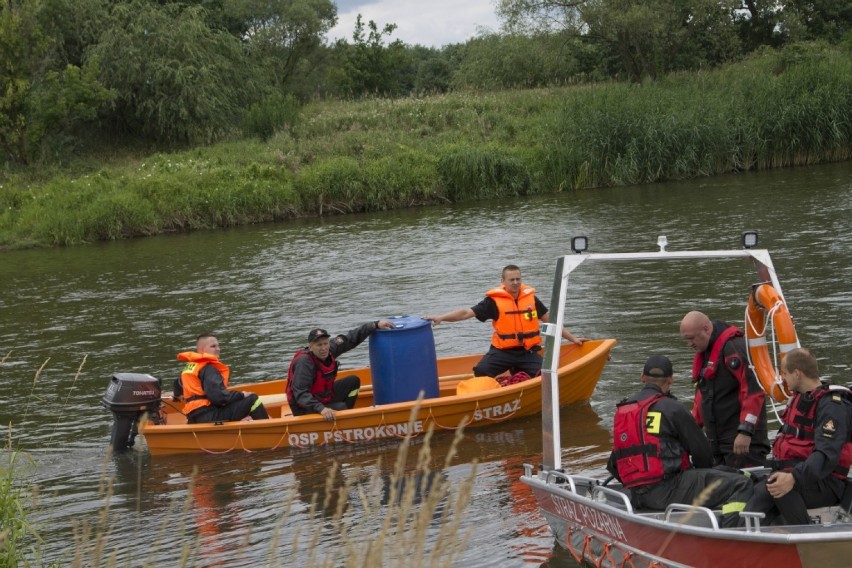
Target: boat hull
pixel 577 376
pixel 602 531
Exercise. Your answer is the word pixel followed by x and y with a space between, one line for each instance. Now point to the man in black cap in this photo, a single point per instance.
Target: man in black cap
pixel 311 379
pixel 663 457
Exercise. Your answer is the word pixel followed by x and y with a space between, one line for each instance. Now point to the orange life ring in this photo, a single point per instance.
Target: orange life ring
pixel 764 300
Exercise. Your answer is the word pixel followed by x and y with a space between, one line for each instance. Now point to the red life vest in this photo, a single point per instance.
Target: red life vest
pixel 193 390
pixel 517 325
pixel 712 364
pixel 636 444
pixel 323 384
pixel 795 440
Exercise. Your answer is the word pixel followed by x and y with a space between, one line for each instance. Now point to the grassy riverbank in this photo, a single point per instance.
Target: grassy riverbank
pixel 775 109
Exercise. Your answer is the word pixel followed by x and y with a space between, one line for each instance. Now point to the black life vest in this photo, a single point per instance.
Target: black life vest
pixel 795 439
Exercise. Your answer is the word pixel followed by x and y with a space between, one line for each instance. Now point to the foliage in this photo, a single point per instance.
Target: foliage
pixel 277 112
pixel 777 108
pixel 653 37
pixel 15 531
pixel 44 100
pixel 520 61
pixel 176 80
pixel 478 173
pixel 370 67
pixel 280 33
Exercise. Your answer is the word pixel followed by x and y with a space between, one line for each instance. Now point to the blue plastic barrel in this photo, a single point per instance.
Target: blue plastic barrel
pixel 403 361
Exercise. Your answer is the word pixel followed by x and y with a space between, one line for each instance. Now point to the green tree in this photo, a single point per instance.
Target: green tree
pixel 281 33
pixel 176 79
pixel 371 67
pixel 648 36
pixel 45 97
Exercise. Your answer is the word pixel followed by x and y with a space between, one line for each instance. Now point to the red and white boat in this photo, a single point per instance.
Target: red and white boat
pixel 596 521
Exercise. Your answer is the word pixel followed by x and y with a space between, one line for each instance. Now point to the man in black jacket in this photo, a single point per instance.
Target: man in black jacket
pixel 663 457
pixel 812 451
pixel 729 401
pixel 312 385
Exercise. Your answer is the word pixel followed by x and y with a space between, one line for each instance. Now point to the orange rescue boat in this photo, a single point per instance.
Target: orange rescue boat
pixel 136 402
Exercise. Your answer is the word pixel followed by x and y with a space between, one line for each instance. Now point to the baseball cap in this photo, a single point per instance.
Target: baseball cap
pixel 658 366
pixel 316 333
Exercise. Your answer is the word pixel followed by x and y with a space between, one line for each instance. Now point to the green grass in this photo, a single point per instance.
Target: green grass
pixel 775 109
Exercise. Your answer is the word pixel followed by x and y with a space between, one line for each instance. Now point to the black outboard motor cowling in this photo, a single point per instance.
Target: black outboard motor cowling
pixel 129 396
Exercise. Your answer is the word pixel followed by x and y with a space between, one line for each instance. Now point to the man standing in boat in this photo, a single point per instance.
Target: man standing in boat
pixel 812 452
pixel 204 382
pixel 729 401
pixel 515 312
pixel 663 457
pixel 312 387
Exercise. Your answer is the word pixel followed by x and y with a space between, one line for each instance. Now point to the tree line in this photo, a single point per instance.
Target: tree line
pixel 84 75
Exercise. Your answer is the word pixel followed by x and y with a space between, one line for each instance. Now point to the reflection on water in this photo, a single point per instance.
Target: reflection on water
pixel 131 306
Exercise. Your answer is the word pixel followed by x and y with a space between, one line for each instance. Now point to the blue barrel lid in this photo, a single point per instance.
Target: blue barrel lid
pixel 405 322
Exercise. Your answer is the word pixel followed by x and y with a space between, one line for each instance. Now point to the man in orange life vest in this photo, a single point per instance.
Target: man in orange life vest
pixel 663 457
pixel 311 379
pixel 729 402
pixel 515 312
pixel 204 382
pixel 812 452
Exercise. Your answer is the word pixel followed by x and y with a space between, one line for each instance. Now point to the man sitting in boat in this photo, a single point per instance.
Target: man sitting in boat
pixel 204 382
pixel 812 451
pixel 515 312
pixel 311 379
pixel 729 401
pixel 663 457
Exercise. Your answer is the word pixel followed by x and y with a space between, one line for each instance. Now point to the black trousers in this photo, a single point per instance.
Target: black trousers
pixel 497 361
pixel 344 394
pixel 236 410
pixel 731 492
pixel 792 508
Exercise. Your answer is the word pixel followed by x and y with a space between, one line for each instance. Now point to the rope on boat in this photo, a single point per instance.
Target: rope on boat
pixel 411 434
pixel 214 452
pixel 506 416
pixel 242 443
pixel 606 547
pixel 283 436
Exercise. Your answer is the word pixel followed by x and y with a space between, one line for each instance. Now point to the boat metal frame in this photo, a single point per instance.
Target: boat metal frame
pixel 565 265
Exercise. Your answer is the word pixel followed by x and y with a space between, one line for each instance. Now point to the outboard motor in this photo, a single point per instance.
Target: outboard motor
pixel 129 397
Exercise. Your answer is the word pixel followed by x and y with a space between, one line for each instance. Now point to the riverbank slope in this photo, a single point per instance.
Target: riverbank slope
pixel 775 109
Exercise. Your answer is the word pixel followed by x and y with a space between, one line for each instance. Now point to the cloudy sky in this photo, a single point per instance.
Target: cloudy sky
pixel 433 23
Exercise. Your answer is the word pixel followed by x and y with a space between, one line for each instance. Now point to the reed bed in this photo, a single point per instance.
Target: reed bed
pixel 776 109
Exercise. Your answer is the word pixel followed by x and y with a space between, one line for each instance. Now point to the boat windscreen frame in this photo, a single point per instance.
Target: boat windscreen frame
pixel 552 331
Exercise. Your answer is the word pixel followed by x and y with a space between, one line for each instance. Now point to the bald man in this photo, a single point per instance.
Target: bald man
pixel 729 401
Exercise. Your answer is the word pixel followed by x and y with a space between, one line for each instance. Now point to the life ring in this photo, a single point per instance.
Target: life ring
pixel 765 300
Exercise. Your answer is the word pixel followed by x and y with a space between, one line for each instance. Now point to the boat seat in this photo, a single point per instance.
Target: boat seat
pixel 273 399
pixel 173 418
pixel 840 513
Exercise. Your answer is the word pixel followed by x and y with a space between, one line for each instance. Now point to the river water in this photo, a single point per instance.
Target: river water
pixel 69 318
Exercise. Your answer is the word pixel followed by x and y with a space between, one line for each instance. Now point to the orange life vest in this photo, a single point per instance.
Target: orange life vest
pixel 517 324
pixel 193 391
